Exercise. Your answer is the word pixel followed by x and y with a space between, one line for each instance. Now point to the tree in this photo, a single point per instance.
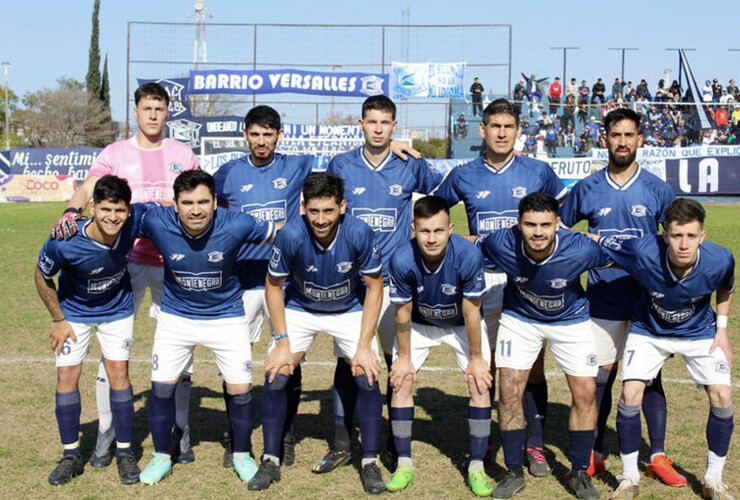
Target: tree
pixel 12 106
pixel 105 85
pixel 93 61
pixel 433 148
pixel 64 117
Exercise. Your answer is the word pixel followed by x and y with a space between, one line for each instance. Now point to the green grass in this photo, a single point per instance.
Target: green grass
pixel 29 441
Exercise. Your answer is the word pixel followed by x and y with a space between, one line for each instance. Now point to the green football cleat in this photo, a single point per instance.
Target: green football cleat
pixel 158 469
pixel 244 466
pixel 402 478
pixel 479 483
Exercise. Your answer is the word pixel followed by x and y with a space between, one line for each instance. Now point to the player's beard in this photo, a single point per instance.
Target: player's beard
pixel 622 162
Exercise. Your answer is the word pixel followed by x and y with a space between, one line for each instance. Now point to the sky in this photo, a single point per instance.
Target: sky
pixel 47 39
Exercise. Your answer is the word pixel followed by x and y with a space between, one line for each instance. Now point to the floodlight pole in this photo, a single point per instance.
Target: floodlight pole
pixel 623 49
pixel 6 65
pixel 565 57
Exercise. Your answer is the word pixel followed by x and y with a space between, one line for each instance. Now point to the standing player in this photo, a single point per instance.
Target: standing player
pixel 491 187
pixel 149 162
pixel 437 281
pixel 678 274
pixel 336 286
pixel 544 303
pixel 201 305
pixel 379 185
pixel 94 291
pixel 624 201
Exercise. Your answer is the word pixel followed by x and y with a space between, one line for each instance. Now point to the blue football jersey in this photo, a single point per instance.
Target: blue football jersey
pixel 492 196
pixel 548 291
pixel 94 285
pixel 270 193
pixel 381 195
pixel 668 305
pixel 200 279
pixel 632 210
pixel 325 280
pixel 437 295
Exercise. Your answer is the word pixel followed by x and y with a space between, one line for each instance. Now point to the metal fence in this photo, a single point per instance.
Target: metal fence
pixel 170 50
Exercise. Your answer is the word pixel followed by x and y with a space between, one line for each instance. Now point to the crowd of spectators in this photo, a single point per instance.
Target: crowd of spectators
pixel 575 113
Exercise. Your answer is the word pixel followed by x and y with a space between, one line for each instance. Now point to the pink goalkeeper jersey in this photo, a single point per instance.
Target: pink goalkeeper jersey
pixel 150 173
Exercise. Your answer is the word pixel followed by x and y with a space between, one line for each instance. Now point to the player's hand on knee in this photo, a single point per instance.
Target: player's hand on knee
pixel 478 375
pixel 277 360
pixel 60 332
pixel 721 340
pixel 401 370
pixel 66 226
pixel 366 361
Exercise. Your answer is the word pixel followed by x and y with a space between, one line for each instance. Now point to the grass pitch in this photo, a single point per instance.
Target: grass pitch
pixel 29 440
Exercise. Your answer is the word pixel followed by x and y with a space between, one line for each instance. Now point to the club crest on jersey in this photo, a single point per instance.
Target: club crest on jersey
pixel 395 190
pixel 275 257
pixel 280 183
pixel 175 167
pixel 45 263
pixel 519 192
pixel 604 211
pixel 215 256
pixel 638 210
pixel 358 190
pixel 592 359
pixel 175 257
pixel 344 267
pixel 721 367
pixel 246 187
pixel 96 271
pixel 480 195
pixel 558 283
pixel 448 289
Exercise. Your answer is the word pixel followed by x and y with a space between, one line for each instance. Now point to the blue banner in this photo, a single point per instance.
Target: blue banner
pixel 177 88
pixel 48 161
pixel 431 80
pixel 704 176
pixel 225 81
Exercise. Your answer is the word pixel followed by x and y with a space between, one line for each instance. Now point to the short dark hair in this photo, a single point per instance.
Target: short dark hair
pixel 113 189
pixel 262 115
pixel 500 107
pixel 191 179
pixel 152 90
pixel 380 103
pixel 682 211
pixel 620 114
pixel 323 185
pixel 538 202
pixel 429 206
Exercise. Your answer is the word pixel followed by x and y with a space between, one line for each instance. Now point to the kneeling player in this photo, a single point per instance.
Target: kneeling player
pixel 437 283
pixel 678 273
pixel 94 291
pixel 328 255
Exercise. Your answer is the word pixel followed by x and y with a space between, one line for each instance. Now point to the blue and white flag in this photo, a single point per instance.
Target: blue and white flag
pixel 226 81
pixel 177 89
pixel 428 80
pixel 705 121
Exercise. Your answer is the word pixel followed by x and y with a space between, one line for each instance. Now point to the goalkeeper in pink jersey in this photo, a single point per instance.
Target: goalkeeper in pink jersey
pixel 150 163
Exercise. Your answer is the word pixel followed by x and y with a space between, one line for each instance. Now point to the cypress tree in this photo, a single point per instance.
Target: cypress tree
pixel 93 65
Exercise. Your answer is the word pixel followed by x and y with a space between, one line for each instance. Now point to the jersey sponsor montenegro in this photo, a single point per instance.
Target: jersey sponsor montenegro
pixel 632 210
pixel 325 280
pixel 668 305
pixel 94 285
pixel 548 291
pixel 437 295
pixel 271 193
pixel 150 174
pixel 491 196
pixel 200 279
pixel 381 195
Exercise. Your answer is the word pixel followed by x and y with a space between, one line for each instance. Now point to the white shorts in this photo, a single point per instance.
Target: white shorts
pixel 345 328
pixel 644 356
pixel 176 338
pixel 492 302
pixel 424 337
pixel 609 335
pixel 573 345
pixel 143 277
pixel 386 325
pixel 255 309
pixel 115 338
